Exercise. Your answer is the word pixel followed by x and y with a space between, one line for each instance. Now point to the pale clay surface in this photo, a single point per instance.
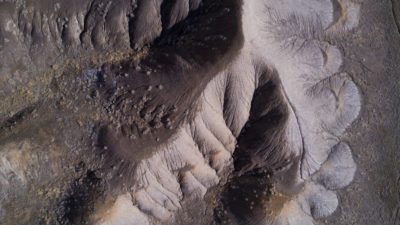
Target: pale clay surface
pixel 323 102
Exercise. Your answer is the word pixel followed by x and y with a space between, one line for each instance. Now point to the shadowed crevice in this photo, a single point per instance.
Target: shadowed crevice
pixel 260 153
pixel 79 202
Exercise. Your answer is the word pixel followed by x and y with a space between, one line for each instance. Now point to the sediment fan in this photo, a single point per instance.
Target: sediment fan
pixel 240 105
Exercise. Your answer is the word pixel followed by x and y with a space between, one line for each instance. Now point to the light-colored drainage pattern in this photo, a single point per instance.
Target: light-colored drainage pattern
pixel 291 37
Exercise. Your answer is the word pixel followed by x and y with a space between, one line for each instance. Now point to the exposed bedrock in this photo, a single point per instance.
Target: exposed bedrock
pixel 165 112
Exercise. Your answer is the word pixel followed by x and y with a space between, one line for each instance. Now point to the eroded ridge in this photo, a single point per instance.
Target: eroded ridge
pixel 276 113
pixel 295 115
pixel 321 102
pixel 271 113
pixel 131 105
